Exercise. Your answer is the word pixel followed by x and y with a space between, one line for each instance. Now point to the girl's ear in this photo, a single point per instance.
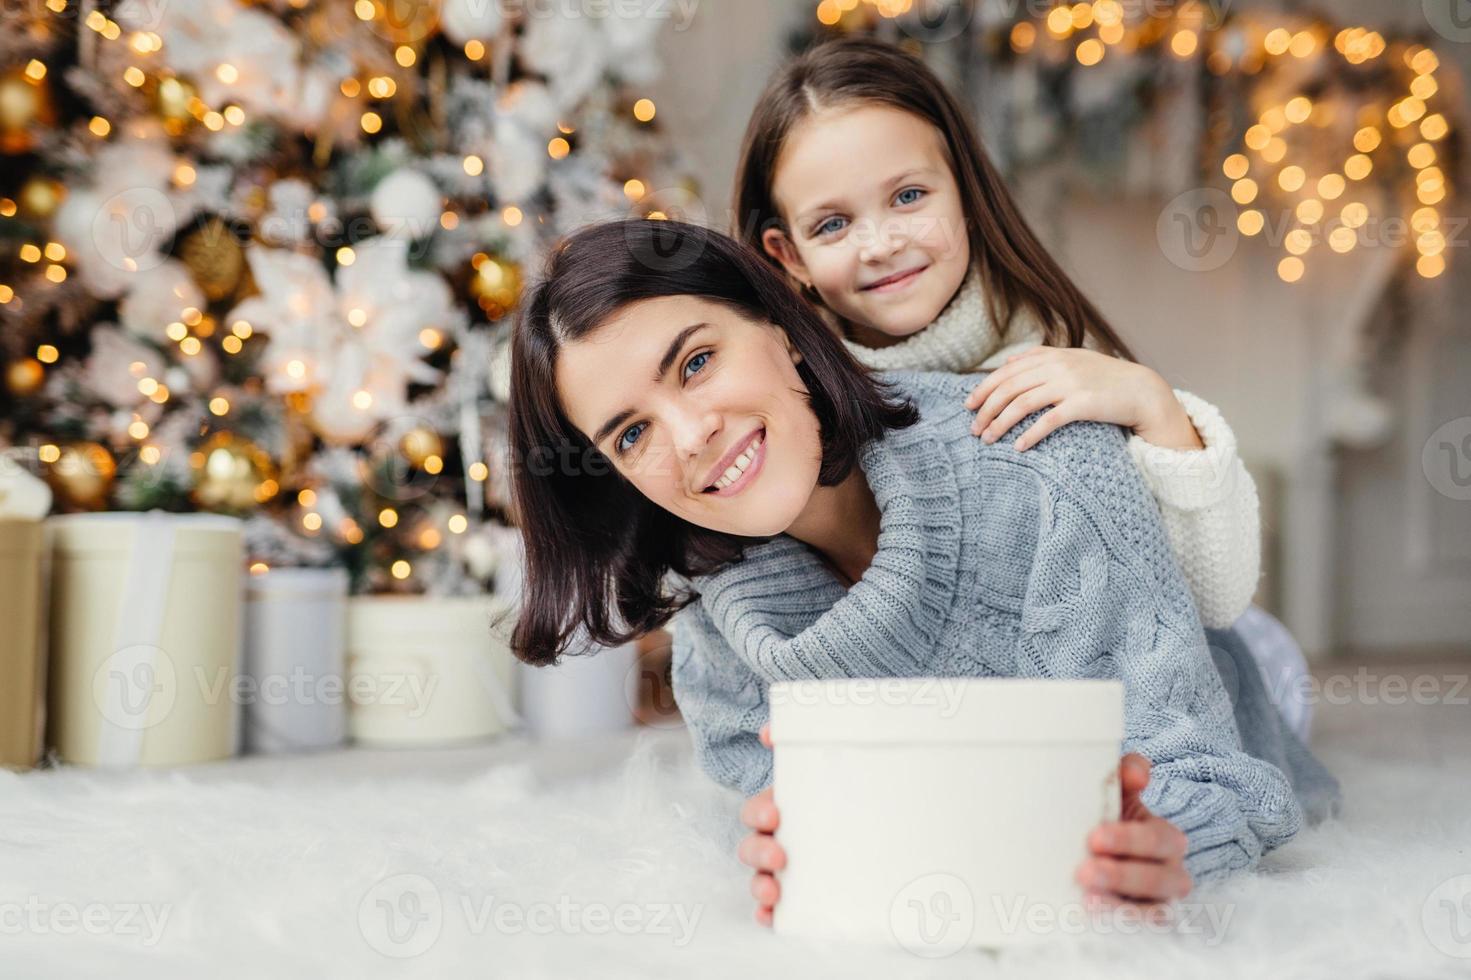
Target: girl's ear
pixel 780 247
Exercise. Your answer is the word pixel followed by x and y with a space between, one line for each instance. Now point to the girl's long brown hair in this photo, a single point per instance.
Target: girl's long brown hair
pixel 1016 272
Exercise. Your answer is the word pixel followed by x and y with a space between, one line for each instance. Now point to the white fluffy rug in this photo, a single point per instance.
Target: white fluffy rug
pixel 616 859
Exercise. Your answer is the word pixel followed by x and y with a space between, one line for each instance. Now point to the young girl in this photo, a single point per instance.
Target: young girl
pixel 830 522
pixel 862 177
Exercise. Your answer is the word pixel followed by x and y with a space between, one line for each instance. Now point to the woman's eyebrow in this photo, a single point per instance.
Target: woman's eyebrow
pixel 665 363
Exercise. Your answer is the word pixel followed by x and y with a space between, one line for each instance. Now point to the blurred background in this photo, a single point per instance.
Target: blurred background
pixel 258 261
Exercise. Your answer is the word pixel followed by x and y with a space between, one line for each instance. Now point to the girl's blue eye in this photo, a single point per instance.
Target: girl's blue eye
pixel 828 227
pixel 623 445
pixel 909 190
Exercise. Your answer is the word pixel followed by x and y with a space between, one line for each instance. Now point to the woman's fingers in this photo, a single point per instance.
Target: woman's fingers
pixel 1152 840
pixel 759 812
pixel 762 853
pixel 765 889
pixel 1020 407
pixel 766 734
pixel 764 915
pixel 1139 881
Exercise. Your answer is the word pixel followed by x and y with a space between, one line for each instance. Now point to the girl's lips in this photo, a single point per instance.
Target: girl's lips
pixel 891 285
pixel 748 476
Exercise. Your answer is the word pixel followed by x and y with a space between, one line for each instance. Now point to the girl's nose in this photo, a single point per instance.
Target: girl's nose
pixel 883 240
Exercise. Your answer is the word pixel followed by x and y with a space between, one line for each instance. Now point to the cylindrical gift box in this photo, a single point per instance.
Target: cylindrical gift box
pixel 586 694
pixel 145 638
pixel 427 670
pixel 295 659
pixel 22 657
pixel 938 813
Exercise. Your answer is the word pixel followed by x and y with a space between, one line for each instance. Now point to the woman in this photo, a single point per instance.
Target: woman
pixel 677 411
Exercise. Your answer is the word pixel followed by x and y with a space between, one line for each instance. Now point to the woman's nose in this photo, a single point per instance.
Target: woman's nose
pixel 691 430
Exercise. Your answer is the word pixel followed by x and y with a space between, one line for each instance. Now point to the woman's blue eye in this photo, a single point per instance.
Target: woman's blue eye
pixel 909 190
pixel 701 357
pixel 828 226
pixel 623 445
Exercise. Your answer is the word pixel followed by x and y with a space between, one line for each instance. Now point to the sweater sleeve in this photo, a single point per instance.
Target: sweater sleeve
pixel 1208 503
pixel 1103 599
pixel 722 701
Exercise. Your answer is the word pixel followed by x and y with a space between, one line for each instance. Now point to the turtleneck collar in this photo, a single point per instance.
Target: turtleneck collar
pixel 794 619
pixel 960 340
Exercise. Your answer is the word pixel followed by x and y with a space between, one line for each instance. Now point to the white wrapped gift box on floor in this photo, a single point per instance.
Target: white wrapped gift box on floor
pixel 22 655
pixel 145 638
pixel 295 659
pixel 426 670
pixel 937 813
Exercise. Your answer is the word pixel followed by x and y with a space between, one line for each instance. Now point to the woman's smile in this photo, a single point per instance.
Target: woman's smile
pixel 743 470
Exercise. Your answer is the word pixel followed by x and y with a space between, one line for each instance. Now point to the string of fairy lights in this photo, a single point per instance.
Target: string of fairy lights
pixel 1387 87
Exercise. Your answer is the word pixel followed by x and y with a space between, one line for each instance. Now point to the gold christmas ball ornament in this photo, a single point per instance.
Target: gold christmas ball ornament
pixel 418 444
pixel 82 476
pixel 25 104
pixel 496 284
pixel 214 258
pixel 24 377
pixel 232 474
pixel 175 96
pixel 40 197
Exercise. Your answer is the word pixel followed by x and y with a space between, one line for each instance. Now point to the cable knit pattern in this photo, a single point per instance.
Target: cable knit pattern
pixel 1207 499
pixel 990 562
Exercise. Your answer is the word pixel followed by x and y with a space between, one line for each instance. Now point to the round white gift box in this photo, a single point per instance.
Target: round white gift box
pixel 145 637
pixel 295 659
pixel 427 670
pixel 937 813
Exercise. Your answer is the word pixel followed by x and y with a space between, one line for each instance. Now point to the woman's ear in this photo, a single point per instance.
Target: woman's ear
pixel 780 247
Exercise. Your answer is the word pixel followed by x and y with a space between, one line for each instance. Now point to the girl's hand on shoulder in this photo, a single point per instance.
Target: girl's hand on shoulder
pixel 1079 384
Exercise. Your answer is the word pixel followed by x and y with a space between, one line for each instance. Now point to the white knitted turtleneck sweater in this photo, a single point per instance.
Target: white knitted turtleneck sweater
pixel 1206 497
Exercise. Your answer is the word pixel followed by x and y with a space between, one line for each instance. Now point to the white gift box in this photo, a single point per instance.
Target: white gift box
pixel 581 695
pixel 145 637
pixel 425 670
pixel 295 659
pixel 22 650
pixel 938 813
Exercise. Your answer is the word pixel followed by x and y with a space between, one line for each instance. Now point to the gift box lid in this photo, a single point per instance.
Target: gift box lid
pixel 113 532
pixel 303 582
pixel 894 710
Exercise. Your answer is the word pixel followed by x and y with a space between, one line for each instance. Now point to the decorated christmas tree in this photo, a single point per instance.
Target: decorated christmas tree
pixel 260 258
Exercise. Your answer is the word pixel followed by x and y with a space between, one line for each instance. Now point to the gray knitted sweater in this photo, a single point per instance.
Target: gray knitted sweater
pixel 991 563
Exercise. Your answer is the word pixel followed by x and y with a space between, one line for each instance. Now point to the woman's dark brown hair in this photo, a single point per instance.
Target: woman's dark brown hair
pixel 597 550
pixel 1016 271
